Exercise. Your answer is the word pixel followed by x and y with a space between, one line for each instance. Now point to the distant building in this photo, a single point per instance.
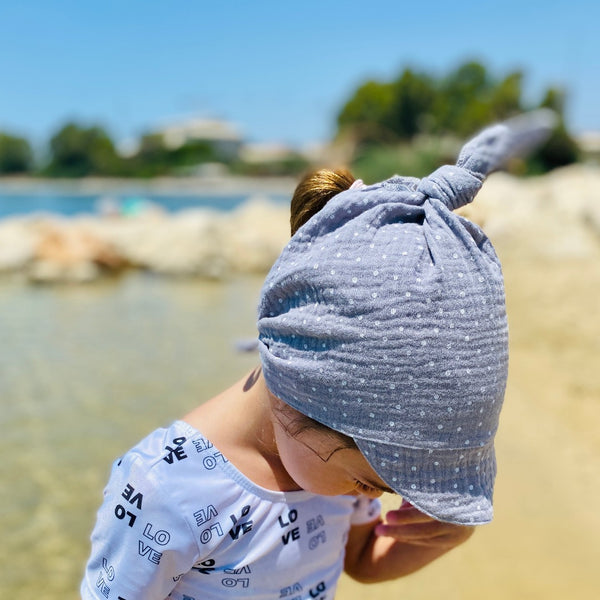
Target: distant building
pixel 223 136
pixel 589 143
pixel 266 152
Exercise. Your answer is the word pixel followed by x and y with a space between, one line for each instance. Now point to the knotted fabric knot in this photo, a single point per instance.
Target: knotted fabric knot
pixel 453 185
pixel 488 151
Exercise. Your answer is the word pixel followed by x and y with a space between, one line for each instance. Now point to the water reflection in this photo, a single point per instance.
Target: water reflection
pixel 86 371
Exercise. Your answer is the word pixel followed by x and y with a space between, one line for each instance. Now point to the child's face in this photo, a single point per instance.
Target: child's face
pixel 319 463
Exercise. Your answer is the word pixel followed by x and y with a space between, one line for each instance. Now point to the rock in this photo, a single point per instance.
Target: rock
pixel 17 245
pixel 69 251
pixel 254 235
pixel 188 243
pixel 554 216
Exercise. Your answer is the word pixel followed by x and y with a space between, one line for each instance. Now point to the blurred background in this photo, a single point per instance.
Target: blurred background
pixel 148 152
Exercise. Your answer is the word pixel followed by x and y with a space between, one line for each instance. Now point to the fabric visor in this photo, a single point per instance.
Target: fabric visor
pixel 451 485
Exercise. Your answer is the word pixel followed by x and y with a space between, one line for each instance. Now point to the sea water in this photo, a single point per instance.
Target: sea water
pixel 85 372
pixel 70 204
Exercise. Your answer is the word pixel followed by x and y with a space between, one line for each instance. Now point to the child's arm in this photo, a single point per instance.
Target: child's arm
pixel 407 541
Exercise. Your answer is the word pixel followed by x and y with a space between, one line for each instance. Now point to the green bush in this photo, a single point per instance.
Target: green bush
pixel 416 159
pixel 15 154
pixel 77 151
pixel 381 115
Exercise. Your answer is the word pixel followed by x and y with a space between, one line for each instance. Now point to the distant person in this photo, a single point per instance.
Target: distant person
pixel 383 347
pixel 108 207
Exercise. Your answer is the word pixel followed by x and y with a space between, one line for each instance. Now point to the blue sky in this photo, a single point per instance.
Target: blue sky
pixel 279 70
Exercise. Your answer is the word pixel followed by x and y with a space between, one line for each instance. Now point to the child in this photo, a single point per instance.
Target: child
pixel 383 346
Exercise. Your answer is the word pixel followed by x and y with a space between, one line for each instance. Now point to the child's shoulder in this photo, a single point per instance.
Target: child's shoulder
pixel 162 511
pixel 167 446
pixel 172 465
pixel 174 477
pixel 171 452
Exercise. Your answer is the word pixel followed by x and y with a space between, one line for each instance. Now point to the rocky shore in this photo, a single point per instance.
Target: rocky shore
pixel 200 242
pixel 553 216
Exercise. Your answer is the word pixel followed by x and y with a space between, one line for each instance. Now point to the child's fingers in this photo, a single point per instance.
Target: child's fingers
pixel 409 533
pixel 406 515
pixel 410 525
pixel 433 533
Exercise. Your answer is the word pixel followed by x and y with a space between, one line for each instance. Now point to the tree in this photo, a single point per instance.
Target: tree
pixel 151 159
pixel 462 104
pixel 15 154
pixel 416 105
pixel 155 158
pixel 412 100
pixel 77 151
pixel 389 111
pixel 560 149
pixel 366 113
pixel 193 152
pixel 505 100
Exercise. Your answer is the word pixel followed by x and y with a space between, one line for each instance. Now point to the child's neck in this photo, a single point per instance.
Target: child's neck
pixel 239 422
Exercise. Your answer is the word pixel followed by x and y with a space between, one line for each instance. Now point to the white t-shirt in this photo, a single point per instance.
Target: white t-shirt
pixel 179 520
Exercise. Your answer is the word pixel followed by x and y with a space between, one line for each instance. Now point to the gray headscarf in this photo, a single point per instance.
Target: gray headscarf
pixel 384 319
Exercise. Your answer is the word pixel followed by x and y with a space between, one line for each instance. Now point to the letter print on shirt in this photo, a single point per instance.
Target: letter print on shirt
pixel 241 526
pixel 312 527
pixel 285 522
pixel 234 579
pixel 121 512
pixel 212 458
pixel 176 453
pixel 189 525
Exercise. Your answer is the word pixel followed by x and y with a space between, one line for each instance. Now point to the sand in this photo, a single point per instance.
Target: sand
pixel 544 542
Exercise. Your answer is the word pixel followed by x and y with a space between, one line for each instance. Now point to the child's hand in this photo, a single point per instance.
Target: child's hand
pixel 410 526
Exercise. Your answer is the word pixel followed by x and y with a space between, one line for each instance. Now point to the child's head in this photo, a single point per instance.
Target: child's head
pixel 384 320
pixel 319 459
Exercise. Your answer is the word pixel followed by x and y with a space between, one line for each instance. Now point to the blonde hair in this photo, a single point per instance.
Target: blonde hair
pixel 314 191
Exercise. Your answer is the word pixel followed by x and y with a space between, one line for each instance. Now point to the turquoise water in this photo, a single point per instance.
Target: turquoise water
pixel 86 371
pixel 74 204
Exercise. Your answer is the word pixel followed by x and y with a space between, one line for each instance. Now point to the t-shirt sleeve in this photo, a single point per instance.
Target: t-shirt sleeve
pixel 365 510
pixel 141 543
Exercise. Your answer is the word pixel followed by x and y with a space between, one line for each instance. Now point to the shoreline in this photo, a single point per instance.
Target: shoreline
pixel 189 185
pixel 555 216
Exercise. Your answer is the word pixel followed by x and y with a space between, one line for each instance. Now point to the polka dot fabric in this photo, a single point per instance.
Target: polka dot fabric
pixel 384 318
